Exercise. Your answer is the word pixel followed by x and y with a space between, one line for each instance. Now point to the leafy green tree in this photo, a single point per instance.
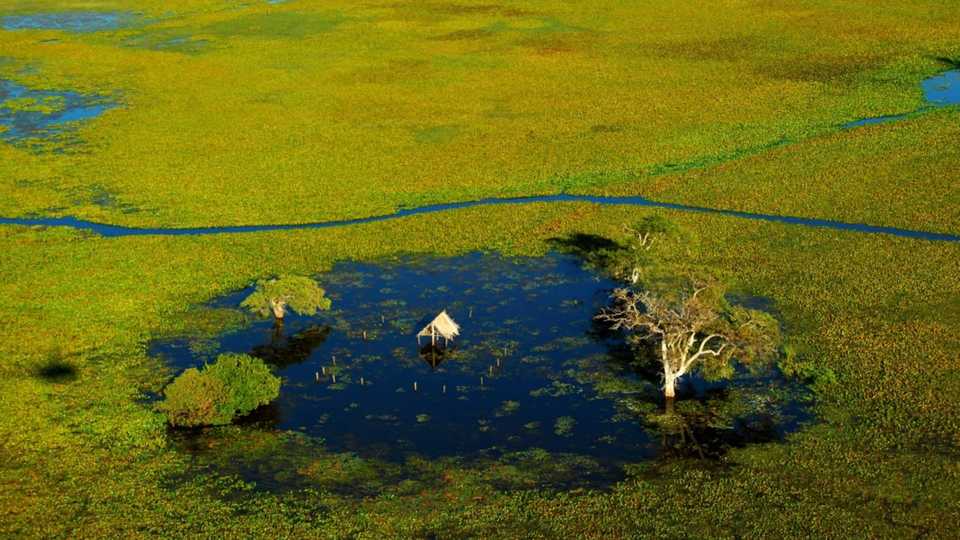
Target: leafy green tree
pixel 273 296
pixel 195 399
pixel 232 386
pixel 249 382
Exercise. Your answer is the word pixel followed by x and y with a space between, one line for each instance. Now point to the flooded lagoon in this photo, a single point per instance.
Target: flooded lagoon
pixel 34 118
pixel 530 372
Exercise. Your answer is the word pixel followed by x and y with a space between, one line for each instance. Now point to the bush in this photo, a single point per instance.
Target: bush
pixel 232 386
pixel 195 399
pixel 248 380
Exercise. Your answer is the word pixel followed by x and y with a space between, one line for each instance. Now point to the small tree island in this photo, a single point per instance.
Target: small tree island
pixel 215 394
pixel 275 295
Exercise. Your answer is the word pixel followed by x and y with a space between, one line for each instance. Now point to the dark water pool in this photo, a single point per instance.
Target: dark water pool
pixel 31 117
pixel 530 370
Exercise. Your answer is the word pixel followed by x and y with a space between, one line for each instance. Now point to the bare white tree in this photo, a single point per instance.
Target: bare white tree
pixel 689 330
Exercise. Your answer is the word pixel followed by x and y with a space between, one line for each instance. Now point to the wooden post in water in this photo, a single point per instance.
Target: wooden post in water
pixel 414 386
pixel 481 380
pixel 444 389
pixel 334 375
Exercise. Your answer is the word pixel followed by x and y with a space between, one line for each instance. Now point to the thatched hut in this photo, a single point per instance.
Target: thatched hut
pixel 443 326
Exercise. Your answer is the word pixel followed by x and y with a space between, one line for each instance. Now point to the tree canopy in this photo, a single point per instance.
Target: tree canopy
pixel 680 311
pixel 233 385
pixel 275 295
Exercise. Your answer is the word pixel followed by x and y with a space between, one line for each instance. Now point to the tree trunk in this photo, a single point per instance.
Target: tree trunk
pixel 669 386
pixel 279 309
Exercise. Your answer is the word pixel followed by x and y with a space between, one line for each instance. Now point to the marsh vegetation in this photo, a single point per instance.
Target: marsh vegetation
pixel 516 163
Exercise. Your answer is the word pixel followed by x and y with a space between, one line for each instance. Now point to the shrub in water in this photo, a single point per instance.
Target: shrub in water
pixel 195 399
pixel 232 386
pixel 248 381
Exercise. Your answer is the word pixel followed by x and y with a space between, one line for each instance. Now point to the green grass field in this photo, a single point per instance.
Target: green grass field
pixel 258 113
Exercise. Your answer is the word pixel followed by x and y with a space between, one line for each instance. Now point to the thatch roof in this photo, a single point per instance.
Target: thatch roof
pixel 442 325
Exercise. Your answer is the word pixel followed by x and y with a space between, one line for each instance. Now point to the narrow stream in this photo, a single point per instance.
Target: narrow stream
pixel 116 231
pixel 941 90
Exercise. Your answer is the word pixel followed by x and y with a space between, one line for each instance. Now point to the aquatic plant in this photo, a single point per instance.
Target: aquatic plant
pixel 273 296
pixel 563 426
pixel 217 393
pixel 507 408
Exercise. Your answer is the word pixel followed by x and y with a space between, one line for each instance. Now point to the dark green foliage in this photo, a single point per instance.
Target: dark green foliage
pixel 274 296
pixel 232 386
pixel 248 381
pixel 804 370
pixel 195 399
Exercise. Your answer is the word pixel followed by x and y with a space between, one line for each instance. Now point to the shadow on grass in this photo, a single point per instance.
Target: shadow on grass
pixel 597 251
pixel 952 62
pixel 56 370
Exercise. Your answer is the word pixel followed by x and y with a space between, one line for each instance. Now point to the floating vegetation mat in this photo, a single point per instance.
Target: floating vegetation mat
pixel 531 379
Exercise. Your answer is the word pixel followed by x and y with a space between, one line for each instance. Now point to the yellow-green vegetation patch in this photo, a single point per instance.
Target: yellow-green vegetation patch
pixel 308 111
pixel 898 174
pixel 45 105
